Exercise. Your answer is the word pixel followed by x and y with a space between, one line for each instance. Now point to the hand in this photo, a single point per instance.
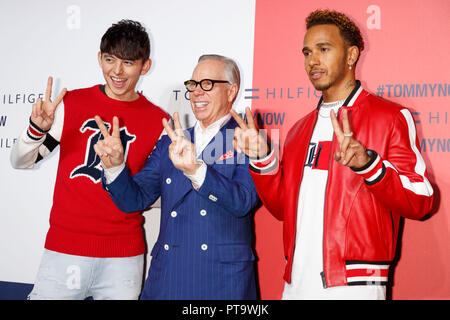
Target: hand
pixel 247 138
pixel 110 149
pixel 181 150
pixel 43 112
pixel 351 152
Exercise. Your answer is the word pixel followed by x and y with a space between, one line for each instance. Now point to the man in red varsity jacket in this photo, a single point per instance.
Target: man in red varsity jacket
pixel 349 170
pixel 92 248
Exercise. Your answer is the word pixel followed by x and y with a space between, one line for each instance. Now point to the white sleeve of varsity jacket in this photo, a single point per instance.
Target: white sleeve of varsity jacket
pixel 34 144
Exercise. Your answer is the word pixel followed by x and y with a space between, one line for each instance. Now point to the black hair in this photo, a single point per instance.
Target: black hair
pixel 347 28
pixel 126 40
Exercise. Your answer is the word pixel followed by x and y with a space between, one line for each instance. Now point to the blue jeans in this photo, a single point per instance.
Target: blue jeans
pixel 68 277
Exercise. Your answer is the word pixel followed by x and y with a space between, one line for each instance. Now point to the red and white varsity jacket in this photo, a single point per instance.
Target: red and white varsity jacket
pixel 362 207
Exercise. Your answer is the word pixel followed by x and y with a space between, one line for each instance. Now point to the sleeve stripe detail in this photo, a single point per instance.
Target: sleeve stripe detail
pixel 421 188
pixel 33 136
pixel 264 162
pixel 420 164
pixel 36 128
pixel 271 168
pixel 369 166
pixel 50 143
pixel 34 132
pixel 373 171
pixel 377 176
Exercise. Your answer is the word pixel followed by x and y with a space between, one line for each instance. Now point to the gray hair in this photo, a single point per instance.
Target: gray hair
pixel 232 72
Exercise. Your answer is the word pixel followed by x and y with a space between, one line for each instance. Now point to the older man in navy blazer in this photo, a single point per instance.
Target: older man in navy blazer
pixel 204 249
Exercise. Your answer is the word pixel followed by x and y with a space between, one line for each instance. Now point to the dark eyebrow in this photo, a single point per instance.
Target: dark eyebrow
pixel 321 44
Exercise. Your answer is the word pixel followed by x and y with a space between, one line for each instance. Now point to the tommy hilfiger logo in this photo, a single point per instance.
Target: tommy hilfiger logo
pixel 91 168
pixel 318 155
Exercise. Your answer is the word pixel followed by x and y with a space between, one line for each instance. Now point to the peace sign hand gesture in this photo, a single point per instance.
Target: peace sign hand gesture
pixel 110 149
pixel 181 150
pixel 247 138
pixel 43 112
pixel 351 152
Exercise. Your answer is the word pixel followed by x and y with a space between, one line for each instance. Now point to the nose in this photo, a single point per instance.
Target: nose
pixel 313 59
pixel 198 90
pixel 118 68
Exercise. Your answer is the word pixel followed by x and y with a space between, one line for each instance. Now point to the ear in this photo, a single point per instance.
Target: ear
pixel 232 92
pixel 99 58
pixel 352 55
pixel 146 66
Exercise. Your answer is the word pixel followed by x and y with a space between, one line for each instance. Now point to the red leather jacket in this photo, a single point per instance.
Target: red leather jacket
pixel 362 208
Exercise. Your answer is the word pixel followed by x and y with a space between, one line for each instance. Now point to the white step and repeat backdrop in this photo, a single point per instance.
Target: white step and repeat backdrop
pixel 61 38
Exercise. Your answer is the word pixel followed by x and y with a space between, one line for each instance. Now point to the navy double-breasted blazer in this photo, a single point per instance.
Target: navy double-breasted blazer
pixel 204 248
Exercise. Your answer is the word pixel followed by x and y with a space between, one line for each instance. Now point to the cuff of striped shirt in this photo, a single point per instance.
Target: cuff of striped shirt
pixel 264 165
pixel 34 132
pixel 374 170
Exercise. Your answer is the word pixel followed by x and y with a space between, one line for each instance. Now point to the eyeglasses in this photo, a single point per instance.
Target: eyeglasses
pixel 205 84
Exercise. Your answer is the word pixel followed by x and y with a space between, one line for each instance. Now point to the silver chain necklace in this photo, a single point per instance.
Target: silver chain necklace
pixel 325 107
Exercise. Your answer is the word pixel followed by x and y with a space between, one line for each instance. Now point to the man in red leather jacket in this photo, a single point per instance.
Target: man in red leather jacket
pixel 349 170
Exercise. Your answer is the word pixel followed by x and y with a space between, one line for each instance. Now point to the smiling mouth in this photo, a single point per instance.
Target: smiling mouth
pixel 118 82
pixel 200 105
pixel 316 74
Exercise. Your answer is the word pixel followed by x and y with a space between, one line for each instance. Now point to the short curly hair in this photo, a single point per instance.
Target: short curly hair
pixel 349 31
